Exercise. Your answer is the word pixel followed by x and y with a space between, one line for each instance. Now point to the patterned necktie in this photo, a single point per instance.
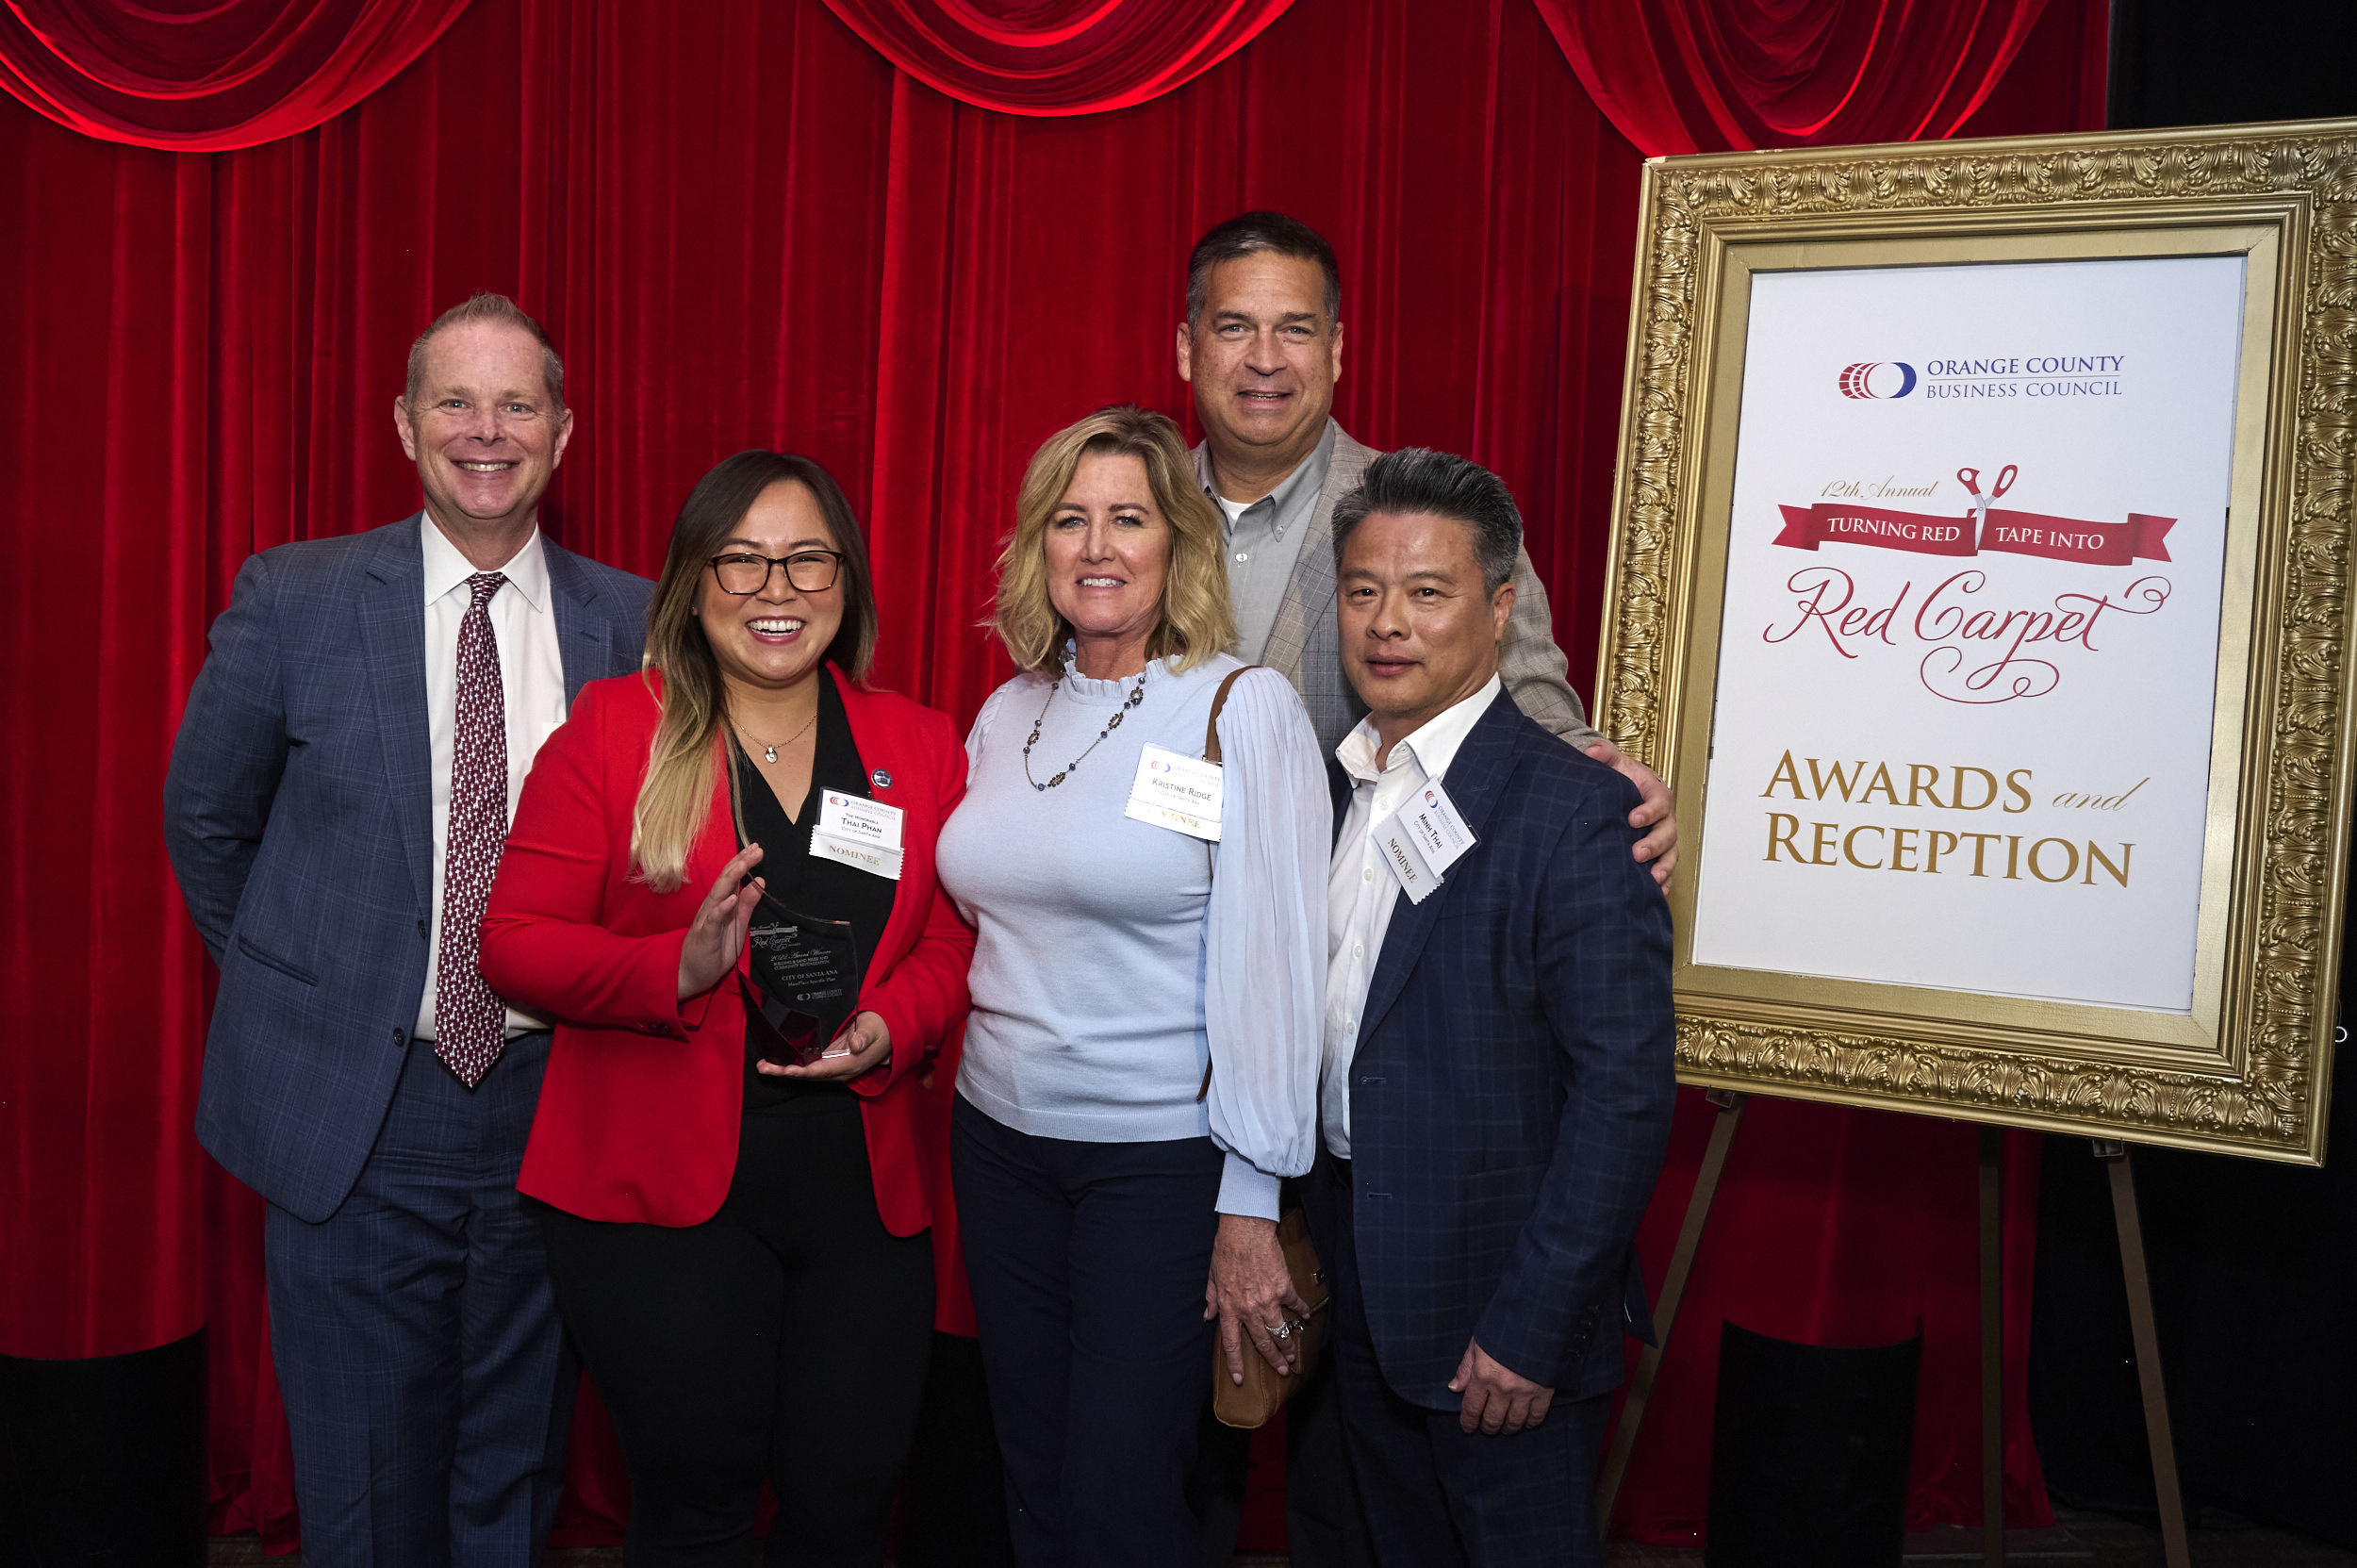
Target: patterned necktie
pixel 469 1020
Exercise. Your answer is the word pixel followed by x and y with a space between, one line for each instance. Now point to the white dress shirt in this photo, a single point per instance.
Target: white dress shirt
pixel 1361 892
pixel 531 688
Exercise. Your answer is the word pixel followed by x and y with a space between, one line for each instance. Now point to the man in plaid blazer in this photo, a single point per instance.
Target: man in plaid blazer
pixel 1496 1099
pixel 1261 348
pixel 311 787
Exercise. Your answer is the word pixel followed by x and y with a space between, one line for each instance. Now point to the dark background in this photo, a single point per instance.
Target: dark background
pixel 2254 1265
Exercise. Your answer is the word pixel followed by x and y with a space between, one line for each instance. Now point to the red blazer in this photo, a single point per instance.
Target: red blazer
pixel 638 1113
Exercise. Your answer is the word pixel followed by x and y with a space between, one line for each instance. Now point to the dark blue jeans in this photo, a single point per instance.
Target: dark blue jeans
pixel 1088 1263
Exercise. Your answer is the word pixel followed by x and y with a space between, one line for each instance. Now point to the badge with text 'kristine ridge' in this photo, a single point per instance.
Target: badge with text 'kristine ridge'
pixel 1181 793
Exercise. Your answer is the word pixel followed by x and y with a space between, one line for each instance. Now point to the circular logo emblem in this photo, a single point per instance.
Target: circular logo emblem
pixel 1877 379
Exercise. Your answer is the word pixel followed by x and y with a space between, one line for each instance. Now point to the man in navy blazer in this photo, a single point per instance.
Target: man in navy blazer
pixel 315 814
pixel 1496 1093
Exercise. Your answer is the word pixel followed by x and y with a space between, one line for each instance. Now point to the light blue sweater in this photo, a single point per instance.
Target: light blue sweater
pixel 1111 961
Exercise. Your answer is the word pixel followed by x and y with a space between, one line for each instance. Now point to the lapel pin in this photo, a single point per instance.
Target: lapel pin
pixel 881 779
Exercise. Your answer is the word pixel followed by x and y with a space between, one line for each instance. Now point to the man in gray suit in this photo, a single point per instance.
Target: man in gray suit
pixel 1261 347
pixel 337 798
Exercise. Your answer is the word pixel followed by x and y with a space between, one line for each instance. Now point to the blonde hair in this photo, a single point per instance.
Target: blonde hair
pixel 676 793
pixel 1195 622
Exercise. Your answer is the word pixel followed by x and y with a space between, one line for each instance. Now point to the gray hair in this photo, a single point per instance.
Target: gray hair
pixel 483 305
pixel 1251 234
pixel 1418 479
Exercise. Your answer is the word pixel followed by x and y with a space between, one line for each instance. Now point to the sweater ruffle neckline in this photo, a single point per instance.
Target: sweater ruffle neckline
pixel 1086 689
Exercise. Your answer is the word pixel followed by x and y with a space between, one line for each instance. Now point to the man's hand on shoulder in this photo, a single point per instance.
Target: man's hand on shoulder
pixel 1497 1401
pixel 1655 809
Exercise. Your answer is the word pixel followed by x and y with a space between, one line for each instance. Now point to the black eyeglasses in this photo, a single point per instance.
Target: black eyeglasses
pixel 742 572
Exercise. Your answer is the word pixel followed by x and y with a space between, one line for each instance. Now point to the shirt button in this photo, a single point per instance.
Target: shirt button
pixel 1243 555
pixel 1358 950
pixel 1367 875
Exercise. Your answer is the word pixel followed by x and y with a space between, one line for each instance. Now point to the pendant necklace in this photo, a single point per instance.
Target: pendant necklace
pixel 1137 695
pixel 769 752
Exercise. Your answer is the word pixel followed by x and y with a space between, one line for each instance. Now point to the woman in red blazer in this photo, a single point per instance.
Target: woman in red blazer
pixel 720 885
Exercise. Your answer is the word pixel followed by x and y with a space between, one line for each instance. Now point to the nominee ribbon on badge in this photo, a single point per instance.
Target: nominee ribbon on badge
pixel 859 833
pixel 1423 839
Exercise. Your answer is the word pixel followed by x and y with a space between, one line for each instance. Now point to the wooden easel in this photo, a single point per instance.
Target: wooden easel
pixel 2114 1154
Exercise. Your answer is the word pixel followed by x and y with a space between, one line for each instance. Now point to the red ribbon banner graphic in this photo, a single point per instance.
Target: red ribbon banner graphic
pixel 1807 527
pixel 2110 544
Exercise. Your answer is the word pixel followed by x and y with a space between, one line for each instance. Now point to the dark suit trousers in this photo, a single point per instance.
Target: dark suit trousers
pixel 1434 1497
pixel 416 1337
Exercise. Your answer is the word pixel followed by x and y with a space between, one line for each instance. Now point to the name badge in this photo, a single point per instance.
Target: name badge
pixel 1178 792
pixel 1423 839
pixel 858 832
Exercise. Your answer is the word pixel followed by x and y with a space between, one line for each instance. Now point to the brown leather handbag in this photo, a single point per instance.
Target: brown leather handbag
pixel 1264 1390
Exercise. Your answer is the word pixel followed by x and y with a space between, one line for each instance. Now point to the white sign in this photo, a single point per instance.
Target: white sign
pixel 1969 636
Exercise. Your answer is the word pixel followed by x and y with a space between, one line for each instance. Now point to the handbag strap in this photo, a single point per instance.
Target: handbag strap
pixel 1219 700
pixel 1210 755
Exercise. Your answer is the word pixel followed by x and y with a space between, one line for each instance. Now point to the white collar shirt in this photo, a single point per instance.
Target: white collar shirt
pixel 532 691
pixel 1361 892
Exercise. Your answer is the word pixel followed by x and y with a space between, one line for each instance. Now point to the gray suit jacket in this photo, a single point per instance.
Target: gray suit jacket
pixel 1305 646
pixel 298 814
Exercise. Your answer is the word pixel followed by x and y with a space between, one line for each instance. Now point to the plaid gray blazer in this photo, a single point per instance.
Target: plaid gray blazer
pixel 298 813
pixel 1305 646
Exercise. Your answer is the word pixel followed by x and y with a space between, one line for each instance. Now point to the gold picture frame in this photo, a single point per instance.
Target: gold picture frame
pixel 2248 1070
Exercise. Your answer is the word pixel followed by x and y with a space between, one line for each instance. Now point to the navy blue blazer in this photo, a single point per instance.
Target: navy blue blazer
pixel 1511 1094
pixel 298 813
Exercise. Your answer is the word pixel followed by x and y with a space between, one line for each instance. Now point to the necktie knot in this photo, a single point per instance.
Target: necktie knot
pixel 484 585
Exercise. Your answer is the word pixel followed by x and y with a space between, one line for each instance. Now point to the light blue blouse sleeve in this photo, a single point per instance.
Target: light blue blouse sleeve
pixel 979 735
pixel 1265 942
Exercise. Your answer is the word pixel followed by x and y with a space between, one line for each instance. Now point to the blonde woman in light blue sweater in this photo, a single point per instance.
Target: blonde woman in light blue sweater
pixel 1112 1209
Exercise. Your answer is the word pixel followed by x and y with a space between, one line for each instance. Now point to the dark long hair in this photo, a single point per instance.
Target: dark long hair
pixel 677 790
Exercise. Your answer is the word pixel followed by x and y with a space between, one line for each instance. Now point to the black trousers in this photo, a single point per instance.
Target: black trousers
pixel 1435 1496
pixel 1088 1262
pixel 787 1334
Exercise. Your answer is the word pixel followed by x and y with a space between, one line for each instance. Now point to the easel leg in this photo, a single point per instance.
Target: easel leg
pixel 1992 1349
pixel 2114 1155
pixel 1665 1311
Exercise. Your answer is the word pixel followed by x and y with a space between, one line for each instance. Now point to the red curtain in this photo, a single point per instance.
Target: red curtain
pixel 1718 76
pixel 1056 57
pixel 208 79
pixel 756 230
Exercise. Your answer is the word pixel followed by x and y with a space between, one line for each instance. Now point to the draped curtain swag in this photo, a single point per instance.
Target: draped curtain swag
pixel 1056 57
pixel 1732 76
pixel 208 76
pixel 197 356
